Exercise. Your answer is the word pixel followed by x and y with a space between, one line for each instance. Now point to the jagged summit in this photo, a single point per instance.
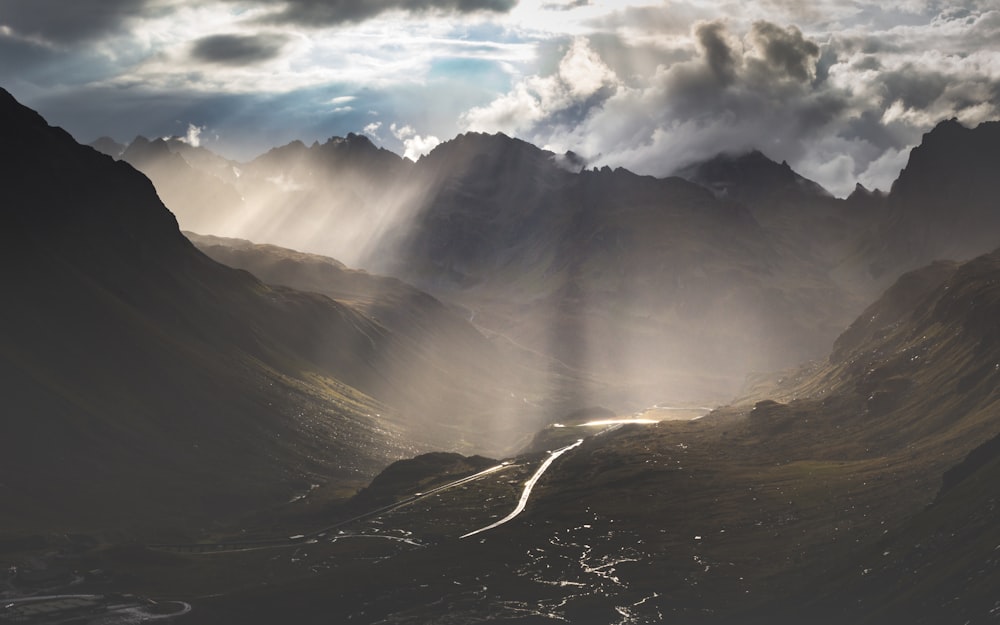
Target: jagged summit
pixel 951 152
pixel 943 205
pixel 749 177
pixel 354 150
pixel 863 198
pixel 489 156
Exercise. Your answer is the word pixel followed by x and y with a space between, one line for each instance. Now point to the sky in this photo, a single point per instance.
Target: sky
pixel 841 89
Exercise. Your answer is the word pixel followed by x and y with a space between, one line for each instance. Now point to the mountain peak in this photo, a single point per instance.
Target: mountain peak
pixel 491 153
pixel 951 150
pixel 353 140
pixel 354 147
pixel 861 193
pixel 749 177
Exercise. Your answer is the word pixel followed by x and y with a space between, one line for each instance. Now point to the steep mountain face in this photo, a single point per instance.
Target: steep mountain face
pixel 943 205
pixel 143 382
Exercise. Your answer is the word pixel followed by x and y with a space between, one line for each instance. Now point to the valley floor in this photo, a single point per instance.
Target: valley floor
pixel 710 520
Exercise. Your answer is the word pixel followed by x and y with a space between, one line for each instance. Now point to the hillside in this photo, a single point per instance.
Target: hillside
pixel 476 394
pixel 147 385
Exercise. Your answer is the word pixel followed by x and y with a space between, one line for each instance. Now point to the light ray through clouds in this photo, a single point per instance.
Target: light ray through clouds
pixel 839 89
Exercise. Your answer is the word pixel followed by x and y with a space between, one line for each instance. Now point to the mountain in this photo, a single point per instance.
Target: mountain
pixel 145 385
pixel 751 178
pixel 801 218
pixel 942 205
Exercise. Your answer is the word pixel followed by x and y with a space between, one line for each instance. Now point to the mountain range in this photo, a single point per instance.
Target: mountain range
pixel 238 421
pixel 645 287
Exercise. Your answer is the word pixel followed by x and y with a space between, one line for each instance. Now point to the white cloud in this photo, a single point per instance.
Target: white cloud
pixel 193 136
pixel 414 145
pixel 581 75
pixel 882 171
pixel 372 130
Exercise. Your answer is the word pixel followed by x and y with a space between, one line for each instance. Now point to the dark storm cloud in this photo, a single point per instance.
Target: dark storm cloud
pixel 785 50
pixel 914 87
pixel 867 63
pixel 565 6
pixel 751 81
pixel 329 12
pixel 719 55
pixel 17 57
pixel 62 22
pixel 238 49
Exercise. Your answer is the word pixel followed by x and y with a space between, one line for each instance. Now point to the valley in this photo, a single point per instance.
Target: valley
pixel 549 394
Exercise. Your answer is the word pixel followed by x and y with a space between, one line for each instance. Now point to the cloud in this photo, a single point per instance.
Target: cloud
pixel 784 50
pixel 581 80
pixel 326 12
pixel 635 83
pixel 238 49
pixel 717 50
pixel 565 5
pixel 372 130
pixel 839 108
pixel 414 145
pixel 66 23
pixel 193 135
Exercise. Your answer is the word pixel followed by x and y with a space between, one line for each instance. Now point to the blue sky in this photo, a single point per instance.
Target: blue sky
pixel 841 89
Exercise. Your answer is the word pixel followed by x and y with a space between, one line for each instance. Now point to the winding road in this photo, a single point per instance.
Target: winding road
pixel 526 493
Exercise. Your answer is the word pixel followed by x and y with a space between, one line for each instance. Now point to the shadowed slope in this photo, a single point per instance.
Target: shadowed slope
pixel 145 383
